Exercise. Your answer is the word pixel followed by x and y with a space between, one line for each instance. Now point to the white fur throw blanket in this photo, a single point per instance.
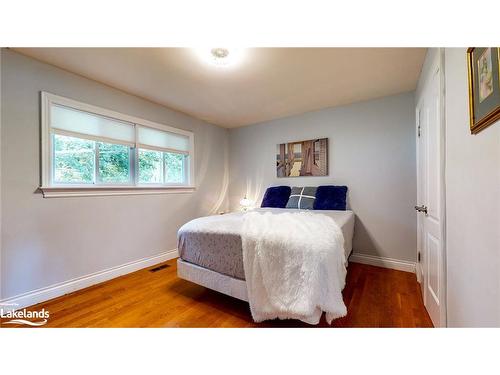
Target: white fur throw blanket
pixel 294 266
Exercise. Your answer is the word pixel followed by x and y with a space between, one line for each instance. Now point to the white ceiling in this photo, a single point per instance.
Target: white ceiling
pixel 267 83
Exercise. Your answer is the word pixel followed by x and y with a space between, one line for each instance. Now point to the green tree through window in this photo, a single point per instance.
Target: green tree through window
pixel 150 167
pixel 74 162
pixel 174 167
pixel 114 163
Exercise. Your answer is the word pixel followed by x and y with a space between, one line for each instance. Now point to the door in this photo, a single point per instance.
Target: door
pixel 430 199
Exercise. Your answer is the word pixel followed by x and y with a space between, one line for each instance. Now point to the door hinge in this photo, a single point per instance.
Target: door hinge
pixel 418 257
pixel 418 131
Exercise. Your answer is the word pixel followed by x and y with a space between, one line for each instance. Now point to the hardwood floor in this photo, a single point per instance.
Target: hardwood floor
pixel 375 297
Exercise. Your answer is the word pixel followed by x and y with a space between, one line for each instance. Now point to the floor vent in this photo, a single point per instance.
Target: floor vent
pixel 159 268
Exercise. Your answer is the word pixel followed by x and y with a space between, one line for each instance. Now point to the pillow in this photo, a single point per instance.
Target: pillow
pixel 302 197
pixel 329 197
pixel 276 196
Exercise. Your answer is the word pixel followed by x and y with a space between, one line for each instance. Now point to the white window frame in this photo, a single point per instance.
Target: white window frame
pixel 51 190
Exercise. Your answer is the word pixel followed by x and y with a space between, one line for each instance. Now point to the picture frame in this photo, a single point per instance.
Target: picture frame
pixel 484 87
pixel 302 158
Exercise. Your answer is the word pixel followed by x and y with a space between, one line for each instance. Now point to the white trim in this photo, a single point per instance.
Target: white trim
pixel 190 175
pixel 418 133
pixel 46 140
pixel 46 152
pixel 444 238
pixel 44 294
pixel 91 191
pixel 373 260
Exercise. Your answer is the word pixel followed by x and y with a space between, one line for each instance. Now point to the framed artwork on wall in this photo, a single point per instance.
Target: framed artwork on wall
pixel 484 87
pixel 302 158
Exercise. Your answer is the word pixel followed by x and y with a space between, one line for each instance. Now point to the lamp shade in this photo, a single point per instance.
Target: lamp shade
pixel 245 202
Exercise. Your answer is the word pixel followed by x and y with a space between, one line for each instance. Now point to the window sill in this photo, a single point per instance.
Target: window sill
pixel 90 191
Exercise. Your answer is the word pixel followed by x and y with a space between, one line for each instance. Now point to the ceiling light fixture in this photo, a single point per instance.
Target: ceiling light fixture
pixel 221 57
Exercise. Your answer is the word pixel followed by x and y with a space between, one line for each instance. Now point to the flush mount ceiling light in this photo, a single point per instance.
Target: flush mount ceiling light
pixel 221 57
pixel 220 54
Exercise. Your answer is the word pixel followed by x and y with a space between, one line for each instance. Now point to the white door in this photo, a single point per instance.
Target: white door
pixel 430 199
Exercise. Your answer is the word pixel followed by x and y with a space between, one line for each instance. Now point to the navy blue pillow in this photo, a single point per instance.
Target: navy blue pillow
pixel 329 197
pixel 276 196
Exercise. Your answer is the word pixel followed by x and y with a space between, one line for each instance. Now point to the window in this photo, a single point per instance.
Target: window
pixel 86 148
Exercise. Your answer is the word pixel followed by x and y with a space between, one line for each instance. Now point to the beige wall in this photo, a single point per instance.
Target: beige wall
pixel 473 207
pixel 371 150
pixel 47 241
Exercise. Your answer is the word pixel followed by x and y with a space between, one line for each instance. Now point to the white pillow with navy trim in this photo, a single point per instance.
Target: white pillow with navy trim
pixel 302 198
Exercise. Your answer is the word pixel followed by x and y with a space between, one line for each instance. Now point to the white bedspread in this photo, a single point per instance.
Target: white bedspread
pixel 294 266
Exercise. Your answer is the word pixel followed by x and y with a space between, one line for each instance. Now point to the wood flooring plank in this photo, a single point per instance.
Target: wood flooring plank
pixel 375 297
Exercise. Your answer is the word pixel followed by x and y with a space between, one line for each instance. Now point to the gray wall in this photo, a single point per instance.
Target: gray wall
pixel 473 207
pixel 46 241
pixel 371 150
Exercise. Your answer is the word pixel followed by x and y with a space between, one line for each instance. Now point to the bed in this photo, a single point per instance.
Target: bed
pixel 211 255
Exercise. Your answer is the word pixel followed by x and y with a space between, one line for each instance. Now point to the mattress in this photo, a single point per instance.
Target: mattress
pixel 214 242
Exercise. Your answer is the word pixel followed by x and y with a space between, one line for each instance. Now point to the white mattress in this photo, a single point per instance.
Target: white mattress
pixel 344 219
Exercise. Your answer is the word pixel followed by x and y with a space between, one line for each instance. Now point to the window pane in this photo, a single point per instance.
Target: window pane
pixel 73 160
pixel 174 167
pixel 150 166
pixel 114 163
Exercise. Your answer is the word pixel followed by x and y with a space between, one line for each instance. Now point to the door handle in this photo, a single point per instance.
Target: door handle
pixel 421 209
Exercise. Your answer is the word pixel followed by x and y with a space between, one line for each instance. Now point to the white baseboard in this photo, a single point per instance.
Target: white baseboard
pixel 372 260
pixel 44 294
